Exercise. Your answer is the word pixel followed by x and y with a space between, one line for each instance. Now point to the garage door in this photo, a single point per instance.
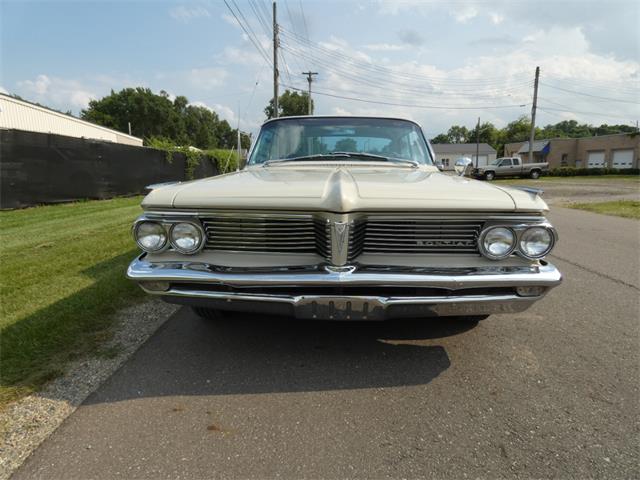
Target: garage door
pixel 482 160
pixel 595 160
pixel 623 159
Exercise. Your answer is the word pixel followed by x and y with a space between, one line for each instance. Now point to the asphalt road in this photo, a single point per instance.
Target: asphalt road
pixel 551 392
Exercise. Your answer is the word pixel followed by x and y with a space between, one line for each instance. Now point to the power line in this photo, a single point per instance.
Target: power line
pixel 385 84
pixel 304 21
pixel 387 71
pixel 575 92
pixel 383 80
pixel 251 39
pixel 586 113
pixel 410 105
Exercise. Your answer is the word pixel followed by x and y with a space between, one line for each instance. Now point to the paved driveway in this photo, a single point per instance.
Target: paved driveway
pixel 552 392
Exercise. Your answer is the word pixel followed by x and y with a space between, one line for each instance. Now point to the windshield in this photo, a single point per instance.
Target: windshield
pixel 496 161
pixel 302 137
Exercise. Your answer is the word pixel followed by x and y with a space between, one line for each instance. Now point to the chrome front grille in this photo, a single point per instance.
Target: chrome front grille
pixel 368 233
pixel 419 236
pixel 260 233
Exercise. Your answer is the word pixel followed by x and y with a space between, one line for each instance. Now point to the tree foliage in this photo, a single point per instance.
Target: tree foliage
pixel 157 116
pixel 290 104
pixel 520 129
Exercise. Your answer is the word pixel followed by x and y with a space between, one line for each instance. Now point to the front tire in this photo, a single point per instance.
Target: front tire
pixel 535 174
pixel 207 313
pixel 489 176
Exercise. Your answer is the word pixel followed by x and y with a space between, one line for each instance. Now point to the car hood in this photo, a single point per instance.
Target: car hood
pixel 342 188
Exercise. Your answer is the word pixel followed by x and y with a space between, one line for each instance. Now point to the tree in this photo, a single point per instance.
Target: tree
pixel 441 138
pixel 290 104
pixel 458 134
pixel 157 116
pixel 346 145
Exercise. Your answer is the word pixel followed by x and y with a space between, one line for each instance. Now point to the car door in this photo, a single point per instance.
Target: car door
pixel 504 169
pixel 516 169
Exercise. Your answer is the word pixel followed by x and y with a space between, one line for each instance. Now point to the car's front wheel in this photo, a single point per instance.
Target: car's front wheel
pixel 489 176
pixel 207 313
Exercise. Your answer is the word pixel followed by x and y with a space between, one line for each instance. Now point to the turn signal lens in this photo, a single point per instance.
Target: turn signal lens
pixel 497 242
pixel 186 237
pixel 536 242
pixel 150 236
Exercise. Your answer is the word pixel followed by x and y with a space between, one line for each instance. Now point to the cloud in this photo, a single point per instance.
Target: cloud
pixel 384 47
pixel 487 79
pixel 186 14
pixel 411 37
pixel 3 90
pixel 207 78
pixel 57 92
pixel 496 18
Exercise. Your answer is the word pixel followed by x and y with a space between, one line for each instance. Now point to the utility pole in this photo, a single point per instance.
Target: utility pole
pixel 533 115
pixel 239 143
pixel 275 62
pixel 477 142
pixel 310 79
pixel 129 127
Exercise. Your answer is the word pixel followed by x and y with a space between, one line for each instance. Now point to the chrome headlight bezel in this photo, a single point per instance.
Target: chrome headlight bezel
pixel 201 236
pixel 136 235
pixel 518 230
pixel 552 241
pixel 487 253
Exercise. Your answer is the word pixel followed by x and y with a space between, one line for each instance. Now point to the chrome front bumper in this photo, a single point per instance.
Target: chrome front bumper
pixel 356 293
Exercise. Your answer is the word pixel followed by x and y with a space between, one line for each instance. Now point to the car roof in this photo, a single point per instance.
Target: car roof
pixel 341 116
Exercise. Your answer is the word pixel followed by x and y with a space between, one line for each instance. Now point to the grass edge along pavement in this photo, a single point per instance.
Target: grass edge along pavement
pixel 618 208
pixel 62 277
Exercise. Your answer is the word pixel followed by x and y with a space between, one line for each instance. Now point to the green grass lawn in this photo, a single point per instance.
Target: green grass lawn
pixel 576 179
pixel 61 277
pixel 619 208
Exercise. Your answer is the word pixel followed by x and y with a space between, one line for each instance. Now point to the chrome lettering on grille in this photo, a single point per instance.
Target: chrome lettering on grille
pixel 446 243
pixel 339 242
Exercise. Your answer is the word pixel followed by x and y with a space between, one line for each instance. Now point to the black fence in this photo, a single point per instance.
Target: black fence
pixel 37 168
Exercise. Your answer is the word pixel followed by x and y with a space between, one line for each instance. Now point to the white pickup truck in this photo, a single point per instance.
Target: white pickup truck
pixel 510 167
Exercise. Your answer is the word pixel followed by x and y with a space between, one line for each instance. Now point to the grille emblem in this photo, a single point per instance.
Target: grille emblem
pixel 339 242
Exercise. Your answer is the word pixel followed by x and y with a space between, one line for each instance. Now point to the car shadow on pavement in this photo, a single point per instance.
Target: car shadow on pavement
pixel 251 353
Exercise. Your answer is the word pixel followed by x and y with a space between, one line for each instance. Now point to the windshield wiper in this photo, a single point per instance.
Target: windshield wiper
pixel 323 156
pixel 317 156
pixel 378 157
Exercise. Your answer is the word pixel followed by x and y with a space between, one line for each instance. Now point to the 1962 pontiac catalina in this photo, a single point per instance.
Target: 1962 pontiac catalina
pixel 344 218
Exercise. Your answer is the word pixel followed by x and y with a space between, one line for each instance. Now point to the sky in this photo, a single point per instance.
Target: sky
pixel 436 62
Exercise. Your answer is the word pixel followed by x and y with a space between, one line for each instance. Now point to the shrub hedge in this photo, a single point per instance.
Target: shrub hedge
pixel 575 172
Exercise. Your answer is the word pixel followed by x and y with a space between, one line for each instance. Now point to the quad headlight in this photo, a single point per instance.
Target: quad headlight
pixel 536 242
pixel 533 242
pixel 186 237
pixel 150 236
pixel 497 242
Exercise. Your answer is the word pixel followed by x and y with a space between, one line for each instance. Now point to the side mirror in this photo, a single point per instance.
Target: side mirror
pixel 463 165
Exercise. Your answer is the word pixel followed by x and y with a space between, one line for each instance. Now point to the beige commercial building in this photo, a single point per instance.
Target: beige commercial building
pixel 613 151
pixel 20 115
pixel 448 153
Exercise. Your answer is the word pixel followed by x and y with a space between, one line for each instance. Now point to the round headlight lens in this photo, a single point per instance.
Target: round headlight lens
pixel 536 242
pixel 186 237
pixel 498 242
pixel 150 236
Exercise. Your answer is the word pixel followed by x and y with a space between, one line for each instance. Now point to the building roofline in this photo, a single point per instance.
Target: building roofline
pixel 64 115
pixel 577 138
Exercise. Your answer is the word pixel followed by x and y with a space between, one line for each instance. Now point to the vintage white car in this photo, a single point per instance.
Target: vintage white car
pixel 344 218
